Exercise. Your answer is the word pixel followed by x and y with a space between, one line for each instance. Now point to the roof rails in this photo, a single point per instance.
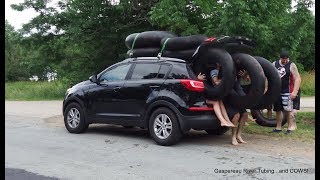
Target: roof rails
pixel 159 59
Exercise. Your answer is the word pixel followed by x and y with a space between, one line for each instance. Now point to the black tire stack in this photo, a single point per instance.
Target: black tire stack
pixel 233 53
pixel 146 44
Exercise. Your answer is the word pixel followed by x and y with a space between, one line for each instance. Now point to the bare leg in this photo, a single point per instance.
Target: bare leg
pixel 290 118
pixel 243 119
pixel 269 113
pixel 235 120
pixel 217 111
pixel 224 113
pixel 279 120
pixel 294 113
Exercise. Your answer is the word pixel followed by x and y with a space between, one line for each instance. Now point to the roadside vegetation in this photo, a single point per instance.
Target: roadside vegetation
pixel 305 128
pixel 43 90
pixel 307 83
pixel 27 90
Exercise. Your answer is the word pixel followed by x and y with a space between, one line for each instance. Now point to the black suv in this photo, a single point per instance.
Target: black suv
pixel 162 95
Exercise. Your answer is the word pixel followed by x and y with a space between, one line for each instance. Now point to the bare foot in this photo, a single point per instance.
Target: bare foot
pixel 239 138
pixel 234 142
pixel 224 124
pixel 231 124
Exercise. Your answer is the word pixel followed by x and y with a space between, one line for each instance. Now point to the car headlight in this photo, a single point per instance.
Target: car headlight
pixel 68 90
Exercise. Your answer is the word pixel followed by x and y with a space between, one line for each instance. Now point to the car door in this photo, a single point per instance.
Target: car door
pixel 142 86
pixel 105 98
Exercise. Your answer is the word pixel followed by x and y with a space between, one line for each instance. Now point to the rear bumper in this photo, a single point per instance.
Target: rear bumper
pixel 200 122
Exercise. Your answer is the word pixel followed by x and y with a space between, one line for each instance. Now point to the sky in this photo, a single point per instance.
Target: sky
pixel 17 18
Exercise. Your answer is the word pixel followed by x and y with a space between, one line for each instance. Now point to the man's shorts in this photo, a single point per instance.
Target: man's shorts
pixel 278 105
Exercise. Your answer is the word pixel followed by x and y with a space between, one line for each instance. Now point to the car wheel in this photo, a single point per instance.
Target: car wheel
pixel 164 127
pixel 74 119
pixel 219 131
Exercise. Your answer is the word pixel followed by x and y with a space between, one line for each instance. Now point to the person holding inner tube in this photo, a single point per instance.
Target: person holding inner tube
pixel 243 114
pixel 218 105
pixel 290 92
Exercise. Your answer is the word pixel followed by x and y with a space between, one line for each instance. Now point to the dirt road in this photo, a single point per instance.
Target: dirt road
pixel 37 142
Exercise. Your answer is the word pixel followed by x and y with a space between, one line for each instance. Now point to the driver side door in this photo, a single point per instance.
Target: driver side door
pixel 105 98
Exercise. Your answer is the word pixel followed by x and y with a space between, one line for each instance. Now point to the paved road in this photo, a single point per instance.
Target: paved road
pixel 38 146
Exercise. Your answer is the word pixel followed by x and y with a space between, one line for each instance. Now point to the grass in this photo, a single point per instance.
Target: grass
pixel 305 128
pixel 307 83
pixel 41 90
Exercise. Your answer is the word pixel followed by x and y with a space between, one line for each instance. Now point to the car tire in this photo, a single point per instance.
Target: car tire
pixel 74 119
pixel 264 121
pixel 219 131
pixel 160 120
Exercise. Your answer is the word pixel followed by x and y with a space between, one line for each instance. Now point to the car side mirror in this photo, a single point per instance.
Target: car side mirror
pixel 93 78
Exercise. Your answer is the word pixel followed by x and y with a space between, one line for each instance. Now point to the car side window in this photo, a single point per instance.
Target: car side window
pixel 179 71
pixel 117 73
pixel 145 71
pixel 163 70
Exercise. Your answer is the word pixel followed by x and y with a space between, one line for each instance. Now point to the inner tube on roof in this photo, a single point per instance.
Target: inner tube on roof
pixel 148 39
pixel 143 52
pixel 184 42
pixel 183 54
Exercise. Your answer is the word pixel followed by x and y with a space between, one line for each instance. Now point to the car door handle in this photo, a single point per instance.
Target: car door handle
pixel 154 87
pixel 116 89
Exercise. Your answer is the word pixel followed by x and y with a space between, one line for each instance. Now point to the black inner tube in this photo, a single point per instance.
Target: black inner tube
pixel 212 56
pixel 264 121
pixel 274 84
pixel 257 77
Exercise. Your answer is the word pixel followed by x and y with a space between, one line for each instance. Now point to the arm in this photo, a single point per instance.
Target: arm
pixel 297 80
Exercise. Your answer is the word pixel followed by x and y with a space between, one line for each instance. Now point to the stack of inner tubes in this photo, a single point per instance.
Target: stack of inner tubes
pixel 203 53
pixel 182 47
pixel 146 44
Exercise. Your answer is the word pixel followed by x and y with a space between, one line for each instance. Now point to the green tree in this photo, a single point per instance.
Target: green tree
pixel 88 35
pixel 273 25
pixel 14 64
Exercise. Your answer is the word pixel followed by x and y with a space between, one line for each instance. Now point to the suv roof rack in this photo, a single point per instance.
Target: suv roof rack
pixel 159 59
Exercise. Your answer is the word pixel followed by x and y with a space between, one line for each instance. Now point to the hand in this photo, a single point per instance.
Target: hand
pixel 293 95
pixel 242 73
pixel 201 77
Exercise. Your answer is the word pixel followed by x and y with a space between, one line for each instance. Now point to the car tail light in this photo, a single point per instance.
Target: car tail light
pixel 193 85
pixel 210 39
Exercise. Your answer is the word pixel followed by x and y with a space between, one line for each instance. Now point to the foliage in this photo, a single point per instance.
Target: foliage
pixel 40 90
pixel 305 128
pixel 307 83
pixel 79 38
pixel 273 25
pixel 14 63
